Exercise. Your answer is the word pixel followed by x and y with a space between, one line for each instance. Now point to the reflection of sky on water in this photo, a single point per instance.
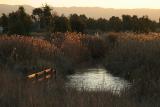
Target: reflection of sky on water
pixel 96 79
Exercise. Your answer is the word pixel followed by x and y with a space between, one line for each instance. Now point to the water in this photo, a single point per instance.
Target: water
pixel 96 79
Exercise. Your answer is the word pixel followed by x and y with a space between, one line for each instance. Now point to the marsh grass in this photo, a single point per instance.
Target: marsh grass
pixel 15 92
pixel 136 58
pixel 22 53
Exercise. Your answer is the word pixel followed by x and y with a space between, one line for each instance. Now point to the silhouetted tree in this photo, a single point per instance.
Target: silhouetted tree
pixel 37 16
pixel 91 24
pixel 84 19
pixel 43 16
pixel 144 24
pixel 127 22
pixel 115 24
pixel 61 24
pixel 19 22
pixel 135 24
pixel 47 16
pixel 101 24
pixel 77 23
pixel 4 22
pixel 38 12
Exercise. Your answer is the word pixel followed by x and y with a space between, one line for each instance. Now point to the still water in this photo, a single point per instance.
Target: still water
pixel 96 79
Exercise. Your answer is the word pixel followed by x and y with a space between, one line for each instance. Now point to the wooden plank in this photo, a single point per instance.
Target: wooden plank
pixel 41 79
pixel 48 76
pixel 40 73
pixel 31 76
pixel 40 76
pixel 48 70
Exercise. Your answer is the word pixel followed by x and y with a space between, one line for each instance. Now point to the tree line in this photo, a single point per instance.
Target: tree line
pixel 44 20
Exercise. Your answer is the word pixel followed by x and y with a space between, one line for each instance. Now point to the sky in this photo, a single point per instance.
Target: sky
pixel 129 4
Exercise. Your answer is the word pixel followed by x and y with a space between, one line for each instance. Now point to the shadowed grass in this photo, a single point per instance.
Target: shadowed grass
pixel 136 58
pixel 15 92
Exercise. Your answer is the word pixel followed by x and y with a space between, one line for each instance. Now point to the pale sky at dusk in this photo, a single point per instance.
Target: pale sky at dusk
pixel 89 3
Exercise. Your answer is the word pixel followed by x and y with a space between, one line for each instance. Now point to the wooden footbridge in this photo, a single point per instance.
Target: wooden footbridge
pixel 42 75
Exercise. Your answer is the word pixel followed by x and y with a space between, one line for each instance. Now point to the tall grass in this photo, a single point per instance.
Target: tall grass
pixel 63 51
pixel 136 58
pixel 77 48
pixel 20 52
pixel 17 93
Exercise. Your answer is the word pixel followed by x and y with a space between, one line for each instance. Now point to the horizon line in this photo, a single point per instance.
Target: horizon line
pixel 80 7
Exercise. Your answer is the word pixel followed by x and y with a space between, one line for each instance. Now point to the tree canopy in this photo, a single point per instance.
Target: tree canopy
pixel 44 19
pixel 19 22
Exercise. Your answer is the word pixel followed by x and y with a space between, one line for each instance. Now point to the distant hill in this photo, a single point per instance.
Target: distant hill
pixel 94 12
pixel 4 8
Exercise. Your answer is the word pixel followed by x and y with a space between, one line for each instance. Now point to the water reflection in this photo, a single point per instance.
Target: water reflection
pixel 96 79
